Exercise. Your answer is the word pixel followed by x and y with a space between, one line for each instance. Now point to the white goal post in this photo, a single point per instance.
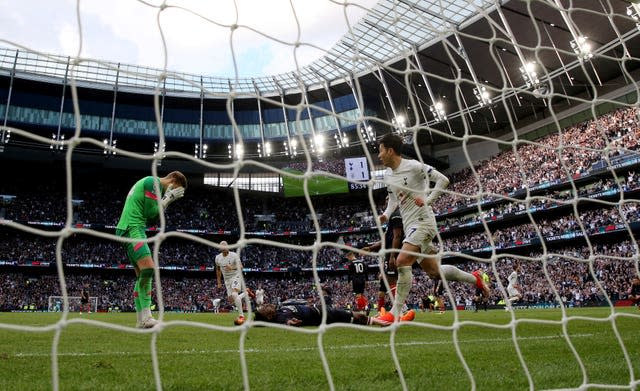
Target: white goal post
pixel 56 304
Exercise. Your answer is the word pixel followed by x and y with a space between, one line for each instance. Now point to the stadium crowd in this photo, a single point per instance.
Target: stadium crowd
pixel 553 158
pixel 77 249
pixel 569 280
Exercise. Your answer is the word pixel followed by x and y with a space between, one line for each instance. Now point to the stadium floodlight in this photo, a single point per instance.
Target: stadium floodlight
pixel 317 144
pixel 437 110
pixel 582 48
pixel 200 153
pixel 482 95
pixel 107 145
pixel 57 142
pixel 338 140
pixel 400 124
pixel 291 149
pixel 341 141
pixel 229 151
pixel 239 150
pixel 530 74
pixel 267 148
pixel 368 135
pixel 158 148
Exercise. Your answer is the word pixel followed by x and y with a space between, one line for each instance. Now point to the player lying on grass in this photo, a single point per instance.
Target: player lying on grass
pixel 310 315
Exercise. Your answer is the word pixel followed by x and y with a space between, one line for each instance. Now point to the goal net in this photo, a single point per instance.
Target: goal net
pixel 56 304
pixel 530 108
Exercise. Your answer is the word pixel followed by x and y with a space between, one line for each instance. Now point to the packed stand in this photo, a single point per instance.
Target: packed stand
pixel 569 281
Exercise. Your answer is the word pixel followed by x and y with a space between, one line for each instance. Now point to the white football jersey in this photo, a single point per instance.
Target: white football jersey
pixel 259 296
pixel 513 279
pixel 232 259
pixel 408 181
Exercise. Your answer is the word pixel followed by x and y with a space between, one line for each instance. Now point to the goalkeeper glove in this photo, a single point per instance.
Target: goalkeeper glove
pixel 171 195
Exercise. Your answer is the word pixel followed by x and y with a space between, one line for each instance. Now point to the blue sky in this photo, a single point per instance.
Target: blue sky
pixel 197 33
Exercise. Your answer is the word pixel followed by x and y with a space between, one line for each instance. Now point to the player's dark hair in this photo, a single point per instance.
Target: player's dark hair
pixel 178 178
pixel 392 141
pixel 265 313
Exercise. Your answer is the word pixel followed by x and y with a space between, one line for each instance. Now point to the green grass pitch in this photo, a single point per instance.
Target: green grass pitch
pixel 93 357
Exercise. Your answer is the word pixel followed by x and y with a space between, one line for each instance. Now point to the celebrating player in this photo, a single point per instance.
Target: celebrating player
pixel 408 185
pixel 216 305
pixel 358 277
pixel 228 265
pixel 259 296
pixel 513 286
pixel 310 315
pixel 140 211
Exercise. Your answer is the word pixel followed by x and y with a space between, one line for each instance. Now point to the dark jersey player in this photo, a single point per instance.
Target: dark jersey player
pixel 301 315
pixel 393 239
pixel 358 277
pixel 84 301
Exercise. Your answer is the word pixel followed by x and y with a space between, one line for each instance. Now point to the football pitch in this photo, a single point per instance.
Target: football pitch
pixel 207 354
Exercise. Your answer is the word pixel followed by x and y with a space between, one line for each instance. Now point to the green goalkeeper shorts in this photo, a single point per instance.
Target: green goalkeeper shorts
pixel 135 250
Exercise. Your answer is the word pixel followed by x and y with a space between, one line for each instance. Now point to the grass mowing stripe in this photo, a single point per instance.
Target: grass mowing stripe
pixel 291 350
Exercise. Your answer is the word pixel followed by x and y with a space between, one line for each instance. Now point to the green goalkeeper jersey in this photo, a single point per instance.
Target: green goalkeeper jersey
pixel 141 207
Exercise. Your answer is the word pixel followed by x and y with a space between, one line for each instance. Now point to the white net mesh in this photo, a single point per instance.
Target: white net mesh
pixel 534 104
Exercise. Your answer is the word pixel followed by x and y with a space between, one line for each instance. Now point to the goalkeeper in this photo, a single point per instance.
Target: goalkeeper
pixel 140 211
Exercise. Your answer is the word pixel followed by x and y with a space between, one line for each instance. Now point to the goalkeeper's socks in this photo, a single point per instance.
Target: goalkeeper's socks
pixel 145 314
pixel 136 295
pixel 145 278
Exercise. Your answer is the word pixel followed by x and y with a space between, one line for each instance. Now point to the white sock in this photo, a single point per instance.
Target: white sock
pixel 146 313
pixel 452 273
pixel 237 300
pixel 403 286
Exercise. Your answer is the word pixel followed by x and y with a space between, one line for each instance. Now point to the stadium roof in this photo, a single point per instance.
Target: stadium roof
pixel 387 32
pixel 409 54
